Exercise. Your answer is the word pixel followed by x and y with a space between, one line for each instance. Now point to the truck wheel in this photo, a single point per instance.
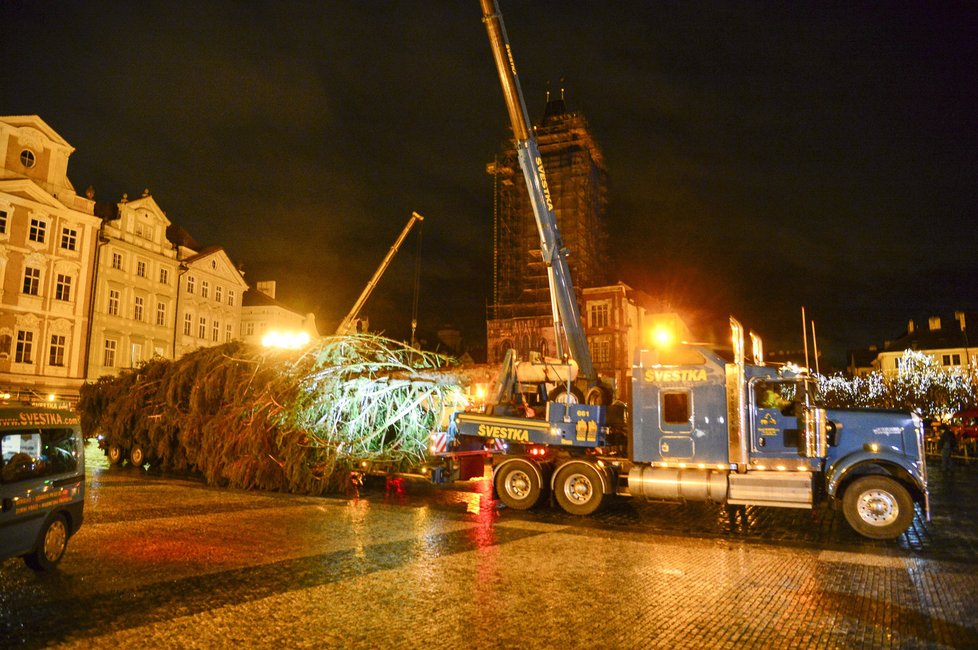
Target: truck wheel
pixel 578 488
pixel 561 395
pixel 51 545
pixel 598 396
pixel 878 507
pixel 115 454
pixel 137 457
pixel 518 485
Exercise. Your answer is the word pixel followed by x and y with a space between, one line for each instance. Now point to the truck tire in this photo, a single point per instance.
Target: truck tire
pixel 560 394
pixel 51 545
pixel 878 507
pixel 518 485
pixel 577 487
pixel 115 454
pixel 137 457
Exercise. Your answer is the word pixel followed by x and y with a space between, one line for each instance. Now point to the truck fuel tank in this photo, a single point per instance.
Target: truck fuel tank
pixel 693 484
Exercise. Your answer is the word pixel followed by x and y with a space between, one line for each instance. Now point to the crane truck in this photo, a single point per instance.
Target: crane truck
pixel 702 425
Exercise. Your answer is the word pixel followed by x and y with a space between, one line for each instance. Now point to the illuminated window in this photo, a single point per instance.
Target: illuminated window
pixel 62 289
pixel 113 302
pixel 25 347
pixel 108 353
pixel 675 408
pixel 69 239
pixel 57 356
pixel 32 281
pixel 249 329
pixel 137 354
pixel 38 231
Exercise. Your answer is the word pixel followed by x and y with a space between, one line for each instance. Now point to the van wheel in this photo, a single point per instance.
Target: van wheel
pixel 116 455
pixel 878 507
pixel 51 545
pixel 137 457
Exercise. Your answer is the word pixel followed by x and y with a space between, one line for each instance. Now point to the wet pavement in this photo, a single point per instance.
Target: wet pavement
pixel 167 562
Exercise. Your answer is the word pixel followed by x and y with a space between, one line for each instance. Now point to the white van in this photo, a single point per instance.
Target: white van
pixel 42 483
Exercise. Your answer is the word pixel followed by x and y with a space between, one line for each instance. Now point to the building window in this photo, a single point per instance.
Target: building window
pixel 205 288
pixel 69 239
pixel 141 268
pixel 38 231
pixel 27 158
pixel 25 347
pixel 62 290
pixel 161 313
pixel 113 302
pixel 249 329
pixel 202 328
pixel 188 323
pixel 137 354
pixel 32 281
pixel 164 276
pixel 117 260
pixel 5 341
pixel 215 331
pixel 3 221
pixel 601 351
pixel 231 297
pixel 57 357
pixel 108 353
pixel 599 314
pixel 228 333
pixel 137 309
pixel 951 360
pixel 218 293
pixel 191 284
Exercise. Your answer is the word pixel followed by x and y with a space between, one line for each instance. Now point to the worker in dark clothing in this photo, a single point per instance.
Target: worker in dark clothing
pixel 948 446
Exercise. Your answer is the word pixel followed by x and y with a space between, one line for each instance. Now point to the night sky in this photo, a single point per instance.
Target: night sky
pixel 762 156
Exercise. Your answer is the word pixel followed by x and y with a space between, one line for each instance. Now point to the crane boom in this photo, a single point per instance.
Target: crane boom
pixel 563 300
pixel 347 322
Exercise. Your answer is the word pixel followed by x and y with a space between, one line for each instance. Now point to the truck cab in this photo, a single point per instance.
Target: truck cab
pixel 42 483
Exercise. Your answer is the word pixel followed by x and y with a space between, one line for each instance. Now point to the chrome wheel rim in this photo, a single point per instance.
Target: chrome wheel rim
pixel 878 507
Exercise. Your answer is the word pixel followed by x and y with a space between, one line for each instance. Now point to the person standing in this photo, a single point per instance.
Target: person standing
pixel 947 445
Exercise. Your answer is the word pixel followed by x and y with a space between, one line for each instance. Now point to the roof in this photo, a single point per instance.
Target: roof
pixel 948 335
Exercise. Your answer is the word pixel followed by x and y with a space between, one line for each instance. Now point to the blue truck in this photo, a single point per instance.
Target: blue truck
pixel 703 424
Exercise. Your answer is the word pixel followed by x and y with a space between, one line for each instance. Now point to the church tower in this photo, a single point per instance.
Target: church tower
pixel 520 313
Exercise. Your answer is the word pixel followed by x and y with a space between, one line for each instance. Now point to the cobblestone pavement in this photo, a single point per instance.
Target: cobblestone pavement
pixel 167 562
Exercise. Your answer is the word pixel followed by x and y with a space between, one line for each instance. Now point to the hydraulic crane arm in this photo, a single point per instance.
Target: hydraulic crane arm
pixel 347 323
pixel 567 318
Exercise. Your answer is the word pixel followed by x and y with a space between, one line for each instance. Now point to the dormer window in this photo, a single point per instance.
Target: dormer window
pixel 27 158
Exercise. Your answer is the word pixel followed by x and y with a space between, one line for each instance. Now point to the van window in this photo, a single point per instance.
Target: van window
pixel 35 453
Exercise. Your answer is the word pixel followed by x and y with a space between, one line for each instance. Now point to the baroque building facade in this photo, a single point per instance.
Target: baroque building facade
pixel 90 288
pixel 48 239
